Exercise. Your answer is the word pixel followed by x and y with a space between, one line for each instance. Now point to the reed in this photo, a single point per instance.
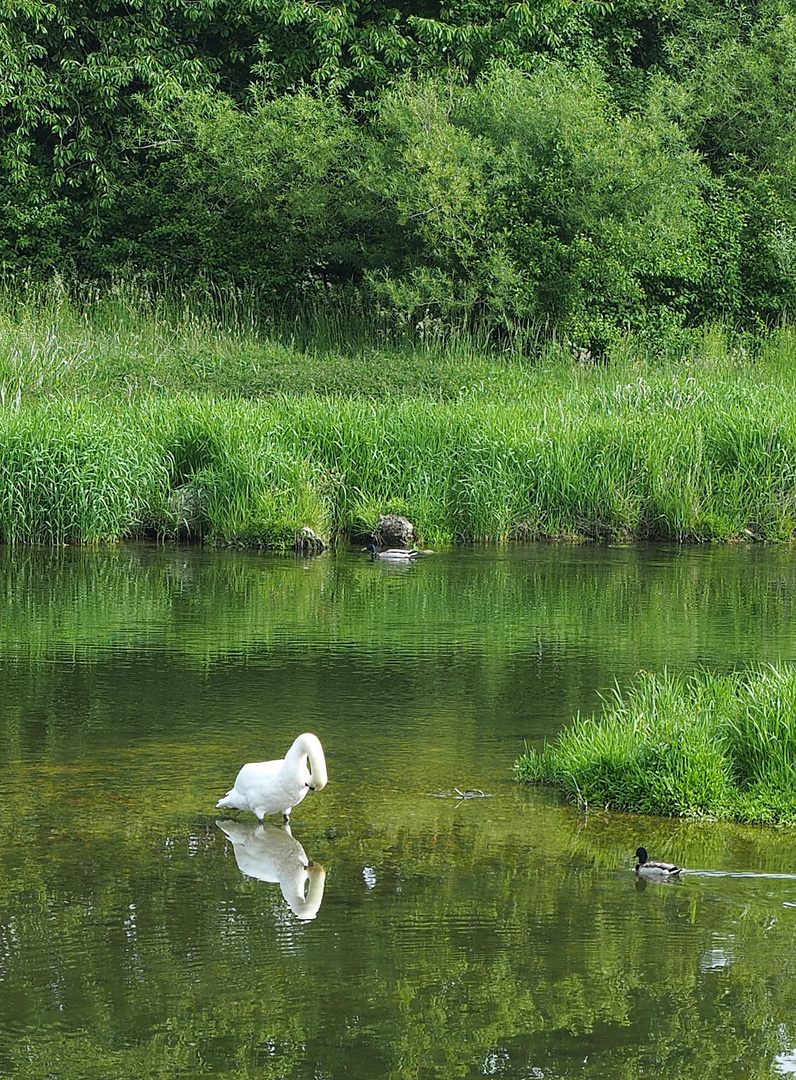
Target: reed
pixel 68 475
pixel 706 745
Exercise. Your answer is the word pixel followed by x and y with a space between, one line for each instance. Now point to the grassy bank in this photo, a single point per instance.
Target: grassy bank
pixel 130 341
pixel 704 746
pixel 130 414
pixel 670 461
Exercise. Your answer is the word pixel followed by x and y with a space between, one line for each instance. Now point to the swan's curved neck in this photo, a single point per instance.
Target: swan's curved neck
pixel 305 906
pixel 309 745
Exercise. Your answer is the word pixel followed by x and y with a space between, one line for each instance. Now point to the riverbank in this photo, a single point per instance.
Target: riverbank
pixel 670 461
pixel 120 421
pixel 718 746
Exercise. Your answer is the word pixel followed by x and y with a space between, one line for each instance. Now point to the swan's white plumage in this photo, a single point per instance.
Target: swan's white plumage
pixel 271 853
pixel 275 787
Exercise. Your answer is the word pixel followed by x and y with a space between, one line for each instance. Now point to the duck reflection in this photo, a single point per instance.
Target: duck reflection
pixel 642 882
pixel 271 853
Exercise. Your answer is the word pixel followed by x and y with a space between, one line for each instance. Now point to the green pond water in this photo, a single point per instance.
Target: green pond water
pixel 142 935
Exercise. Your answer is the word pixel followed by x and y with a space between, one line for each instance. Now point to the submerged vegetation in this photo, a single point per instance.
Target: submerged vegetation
pixel 707 745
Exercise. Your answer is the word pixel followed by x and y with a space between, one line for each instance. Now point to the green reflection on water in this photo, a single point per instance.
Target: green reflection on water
pixel 503 936
pixel 206 607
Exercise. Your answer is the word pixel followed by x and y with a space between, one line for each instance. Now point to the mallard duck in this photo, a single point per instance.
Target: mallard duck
pixel 275 787
pixel 655 869
pixel 393 554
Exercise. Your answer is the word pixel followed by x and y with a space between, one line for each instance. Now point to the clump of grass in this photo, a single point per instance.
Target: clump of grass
pixel 72 475
pixel 83 472
pixel 707 745
pixel 245 482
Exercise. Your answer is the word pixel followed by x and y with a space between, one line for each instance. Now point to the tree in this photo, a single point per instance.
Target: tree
pixel 530 198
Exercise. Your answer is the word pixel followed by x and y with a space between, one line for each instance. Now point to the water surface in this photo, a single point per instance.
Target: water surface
pixel 432 936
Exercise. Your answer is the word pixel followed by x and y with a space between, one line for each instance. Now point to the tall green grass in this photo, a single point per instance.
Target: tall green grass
pixel 70 474
pixel 708 745
pixel 136 411
pixel 130 340
pixel 682 465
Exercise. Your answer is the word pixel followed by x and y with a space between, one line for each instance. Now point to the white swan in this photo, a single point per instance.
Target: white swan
pixel 275 787
pixel 271 853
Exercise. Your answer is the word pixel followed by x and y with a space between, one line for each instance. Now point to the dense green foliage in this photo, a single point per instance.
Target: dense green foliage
pixel 710 745
pixel 578 168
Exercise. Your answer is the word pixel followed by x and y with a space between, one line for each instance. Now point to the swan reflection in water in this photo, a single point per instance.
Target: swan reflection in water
pixel 271 853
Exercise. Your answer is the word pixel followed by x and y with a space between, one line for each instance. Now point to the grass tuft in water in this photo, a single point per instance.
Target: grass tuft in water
pixel 707 745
